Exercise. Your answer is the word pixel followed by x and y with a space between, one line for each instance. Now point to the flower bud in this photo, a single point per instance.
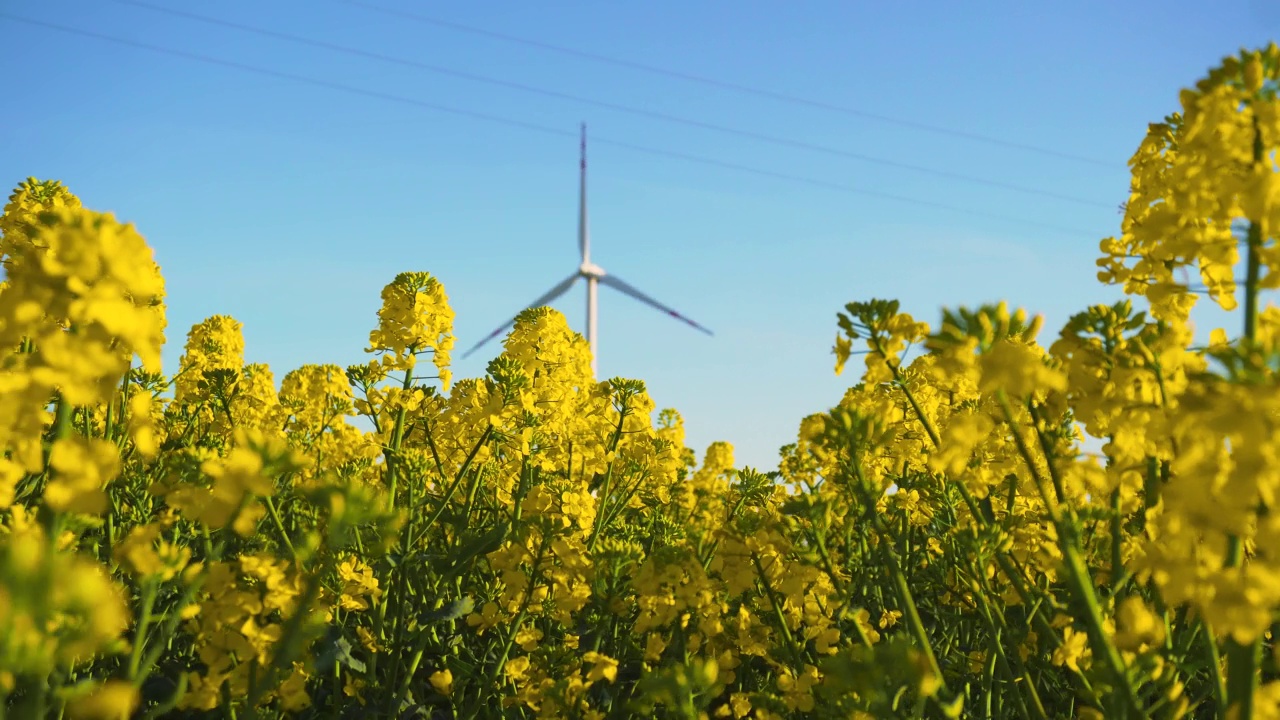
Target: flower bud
pixel 1253 73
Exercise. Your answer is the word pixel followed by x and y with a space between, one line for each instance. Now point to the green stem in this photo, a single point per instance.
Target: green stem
pixel 169 627
pixel 144 621
pixel 1242 677
pixel 1215 665
pixel 107 422
pixel 379 617
pixel 1078 577
pixel 1001 557
pixel 457 480
pixel 1243 660
pixel 397 436
pixel 407 680
pixel 401 591
pixel 1253 269
pixel 275 519
pixel 905 595
pixel 796 653
pixel 1117 559
pixel 62 420
pixel 516 624
pixel 996 626
pixel 608 478
pixel 290 639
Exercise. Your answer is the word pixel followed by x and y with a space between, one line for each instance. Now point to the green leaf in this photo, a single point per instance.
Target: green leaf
pixel 482 545
pixel 448 613
pixel 335 648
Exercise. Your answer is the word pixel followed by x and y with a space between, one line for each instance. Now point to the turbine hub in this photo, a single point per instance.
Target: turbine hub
pixel 591 270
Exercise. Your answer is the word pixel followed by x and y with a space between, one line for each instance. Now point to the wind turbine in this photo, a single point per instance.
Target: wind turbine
pixel 592 273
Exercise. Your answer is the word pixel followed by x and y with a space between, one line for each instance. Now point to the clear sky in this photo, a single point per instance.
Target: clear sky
pixel 289 204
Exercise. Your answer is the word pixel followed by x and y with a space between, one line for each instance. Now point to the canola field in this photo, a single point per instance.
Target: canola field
pixel 539 543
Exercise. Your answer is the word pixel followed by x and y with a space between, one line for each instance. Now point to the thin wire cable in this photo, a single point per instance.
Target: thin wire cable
pixel 1077 232
pixel 761 137
pixel 726 85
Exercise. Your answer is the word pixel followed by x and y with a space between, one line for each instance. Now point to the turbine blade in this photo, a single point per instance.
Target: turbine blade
pixel 550 295
pixel 614 282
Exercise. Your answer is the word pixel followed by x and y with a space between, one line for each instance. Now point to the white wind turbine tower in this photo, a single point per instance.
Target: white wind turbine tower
pixel 594 275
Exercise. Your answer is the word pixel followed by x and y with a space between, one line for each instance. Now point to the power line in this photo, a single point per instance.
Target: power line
pixel 1077 232
pixel 735 87
pixel 785 142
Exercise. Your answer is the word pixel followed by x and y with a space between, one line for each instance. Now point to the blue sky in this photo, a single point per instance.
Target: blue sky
pixel 289 205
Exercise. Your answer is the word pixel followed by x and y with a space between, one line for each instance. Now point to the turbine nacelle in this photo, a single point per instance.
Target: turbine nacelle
pixel 591 270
